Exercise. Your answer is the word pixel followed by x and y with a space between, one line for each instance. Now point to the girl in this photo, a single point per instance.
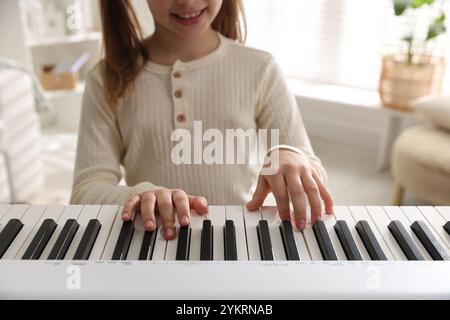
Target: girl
pixel 192 68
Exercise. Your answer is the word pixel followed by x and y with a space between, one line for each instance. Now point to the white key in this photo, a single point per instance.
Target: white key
pixel 301 245
pixel 330 221
pixel 113 236
pixel 51 212
pixel 360 213
pixel 196 223
pixel 435 218
pixel 251 220
pixel 342 213
pixel 171 247
pixel 106 217
pixel 70 212
pixel 29 219
pixel 310 239
pixel 444 212
pixel 414 214
pixel 382 221
pixel 236 214
pixel 138 236
pixel 3 209
pixel 395 213
pixel 89 212
pixel 270 214
pixel 217 216
pixel 159 252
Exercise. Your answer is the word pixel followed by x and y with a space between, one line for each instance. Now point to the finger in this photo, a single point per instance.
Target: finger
pixel 165 206
pixel 325 194
pixel 312 192
pixel 130 208
pixel 298 198
pixel 199 204
pixel 181 202
pixel 280 192
pixel 260 194
pixel 148 204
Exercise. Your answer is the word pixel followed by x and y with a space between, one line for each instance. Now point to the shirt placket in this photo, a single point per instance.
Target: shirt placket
pixel 180 116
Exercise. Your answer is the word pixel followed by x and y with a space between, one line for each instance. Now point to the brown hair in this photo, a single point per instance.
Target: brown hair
pixel 125 52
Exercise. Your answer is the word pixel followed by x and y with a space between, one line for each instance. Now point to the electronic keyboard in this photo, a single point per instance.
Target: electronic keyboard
pixel 76 251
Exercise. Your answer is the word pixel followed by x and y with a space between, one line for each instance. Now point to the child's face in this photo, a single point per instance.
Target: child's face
pixel 185 18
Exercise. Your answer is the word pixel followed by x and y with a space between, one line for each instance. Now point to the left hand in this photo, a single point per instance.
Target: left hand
pixel 295 179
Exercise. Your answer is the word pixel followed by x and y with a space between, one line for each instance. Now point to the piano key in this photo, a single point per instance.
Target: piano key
pixel 251 220
pixel 124 241
pixel 206 248
pixel 370 241
pixel 138 239
pixel 434 217
pixel 88 213
pixel 444 211
pixel 396 214
pixel 183 245
pixel 431 244
pixel 302 247
pixel 159 251
pixel 196 224
pixel 270 214
pixel 64 240
pixel 343 213
pixel 360 213
pixel 324 241
pixel 265 243
pixel 52 212
pixel 113 236
pixel 40 240
pixel 289 244
pixel 172 245
pixel 217 216
pixel 3 209
pixel 347 242
pixel 29 217
pixel 447 227
pixel 87 241
pixel 381 220
pixel 148 244
pixel 235 213
pixel 330 221
pixel 70 212
pixel 229 234
pixel 106 217
pixel 310 239
pixel 8 234
pixel 405 242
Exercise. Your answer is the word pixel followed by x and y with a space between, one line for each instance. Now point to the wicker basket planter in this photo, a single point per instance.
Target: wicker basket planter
pixel 402 82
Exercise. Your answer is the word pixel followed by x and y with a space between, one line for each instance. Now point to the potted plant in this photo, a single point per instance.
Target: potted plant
pixel 416 70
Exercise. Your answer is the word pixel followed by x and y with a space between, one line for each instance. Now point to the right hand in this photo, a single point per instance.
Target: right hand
pixel 166 202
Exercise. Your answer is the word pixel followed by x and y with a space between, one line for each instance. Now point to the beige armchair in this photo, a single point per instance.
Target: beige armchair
pixel 421 164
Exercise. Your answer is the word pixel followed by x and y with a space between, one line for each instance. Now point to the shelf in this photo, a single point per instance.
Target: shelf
pixel 50 95
pixel 49 41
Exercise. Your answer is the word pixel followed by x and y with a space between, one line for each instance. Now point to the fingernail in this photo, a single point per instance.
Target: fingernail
pixel 184 220
pixel 125 215
pixel 149 224
pixel 302 224
pixel 169 233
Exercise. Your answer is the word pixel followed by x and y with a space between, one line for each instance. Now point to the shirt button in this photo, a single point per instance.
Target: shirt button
pixel 181 118
pixel 177 75
pixel 178 94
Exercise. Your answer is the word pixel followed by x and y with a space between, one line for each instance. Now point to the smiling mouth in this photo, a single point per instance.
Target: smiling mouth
pixel 189 16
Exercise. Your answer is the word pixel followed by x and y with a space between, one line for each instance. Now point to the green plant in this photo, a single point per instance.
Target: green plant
pixel 435 29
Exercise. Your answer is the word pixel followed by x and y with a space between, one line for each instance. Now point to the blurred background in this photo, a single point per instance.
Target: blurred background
pixel 370 78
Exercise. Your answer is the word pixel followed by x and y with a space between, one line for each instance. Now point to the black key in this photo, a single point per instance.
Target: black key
pixel 40 240
pixel 447 227
pixel 370 241
pixel 265 245
pixel 124 241
pixel 324 241
pixel 229 240
pixel 347 241
pixel 184 241
pixel 290 247
pixel 431 244
pixel 206 246
pixel 87 241
pixel 405 242
pixel 8 234
pixel 148 245
pixel 64 240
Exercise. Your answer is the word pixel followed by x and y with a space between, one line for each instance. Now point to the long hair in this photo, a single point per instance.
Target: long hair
pixel 124 50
